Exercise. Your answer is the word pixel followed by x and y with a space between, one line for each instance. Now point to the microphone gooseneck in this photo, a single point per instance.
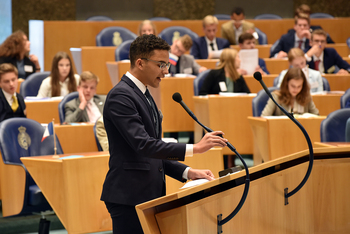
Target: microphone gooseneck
pixel 177 98
pixel 257 76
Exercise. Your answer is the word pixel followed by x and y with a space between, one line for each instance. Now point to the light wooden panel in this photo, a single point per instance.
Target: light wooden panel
pixel 43 111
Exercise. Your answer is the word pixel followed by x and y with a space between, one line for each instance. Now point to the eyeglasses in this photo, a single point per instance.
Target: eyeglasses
pixel 162 65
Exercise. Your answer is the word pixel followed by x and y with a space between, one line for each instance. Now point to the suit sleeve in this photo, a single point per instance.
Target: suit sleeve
pixel 242 86
pixel 342 64
pixel 195 50
pixel 312 108
pixel 102 134
pixel 270 107
pixel 262 65
pixel 195 67
pixel 277 49
pixel 208 83
pixel 72 112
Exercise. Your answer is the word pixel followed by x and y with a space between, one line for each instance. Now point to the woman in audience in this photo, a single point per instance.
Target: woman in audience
pixel 147 27
pixel 15 50
pixel 62 79
pixel 226 77
pixel 294 95
pixel 296 58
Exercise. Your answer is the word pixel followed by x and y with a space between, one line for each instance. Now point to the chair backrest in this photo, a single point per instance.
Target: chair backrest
pixel 99 18
pixel 61 110
pixel 344 99
pixel 21 137
pixel 274 46
pixel 275 81
pixel 259 102
pixel 31 85
pixel 326 86
pixel 262 37
pixel 267 16
pixel 171 33
pixel 222 16
pixel 348 42
pixel 99 147
pixel 122 51
pixel 198 81
pixel 347 131
pixel 114 36
pixel 320 15
pixel 159 19
pixel 333 127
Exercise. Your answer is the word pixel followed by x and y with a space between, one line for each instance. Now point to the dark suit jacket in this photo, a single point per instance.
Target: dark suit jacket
pixel 287 42
pixel 199 48
pixel 74 114
pixel 330 59
pixel 13 61
pixel 5 109
pixel 139 159
pixel 211 83
pixel 313 28
pixel 262 65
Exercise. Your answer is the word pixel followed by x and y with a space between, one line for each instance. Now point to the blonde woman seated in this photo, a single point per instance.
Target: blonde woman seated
pixel 296 58
pixel 226 77
pixel 62 79
pixel 294 95
pixel 147 27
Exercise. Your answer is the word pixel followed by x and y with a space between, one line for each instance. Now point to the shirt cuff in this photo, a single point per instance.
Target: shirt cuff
pixel 308 59
pixel 189 150
pixel 185 173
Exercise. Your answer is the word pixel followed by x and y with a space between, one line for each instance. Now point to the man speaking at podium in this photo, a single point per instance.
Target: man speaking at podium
pixel 139 159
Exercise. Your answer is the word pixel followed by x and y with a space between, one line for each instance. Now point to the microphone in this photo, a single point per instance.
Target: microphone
pixel 258 77
pixel 177 98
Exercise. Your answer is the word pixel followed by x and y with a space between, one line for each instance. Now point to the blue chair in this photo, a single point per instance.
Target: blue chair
pixel 347 130
pixel 159 19
pixel 320 15
pixel 61 110
pixel 168 34
pixel 259 102
pixel 267 16
pixel 31 85
pixel 114 36
pixel 198 81
pixel 99 18
pixel 222 16
pixel 326 86
pixel 348 42
pixel 99 147
pixel 21 137
pixel 274 46
pixel 345 99
pixel 262 37
pixel 333 127
pixel 122 52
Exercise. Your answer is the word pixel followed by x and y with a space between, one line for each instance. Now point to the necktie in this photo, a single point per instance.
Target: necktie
pixel 212 46
pixel 317 62
pixel 14 105
pixel 91 113
pixel 154 110
pixel 300 43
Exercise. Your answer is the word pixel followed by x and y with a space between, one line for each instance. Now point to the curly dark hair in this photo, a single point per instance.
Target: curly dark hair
pixel 13 46
pixel 144 46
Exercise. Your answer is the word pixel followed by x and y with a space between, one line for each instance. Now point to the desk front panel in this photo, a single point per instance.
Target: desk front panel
pixel 327 103
pixel 43 111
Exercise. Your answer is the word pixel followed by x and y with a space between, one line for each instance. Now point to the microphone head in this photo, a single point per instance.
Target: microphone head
pixel 257 76
pixel 177 97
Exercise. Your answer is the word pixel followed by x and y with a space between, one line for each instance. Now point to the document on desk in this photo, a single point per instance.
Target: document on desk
pixel 249 60
pixel 193 183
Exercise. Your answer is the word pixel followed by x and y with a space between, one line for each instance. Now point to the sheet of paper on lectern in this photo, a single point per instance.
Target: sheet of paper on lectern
pixel 249 60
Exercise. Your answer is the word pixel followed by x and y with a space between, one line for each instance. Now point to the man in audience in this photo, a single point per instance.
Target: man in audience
pixel 202 46
pixel 11 103
pixel 181 62
pixel 247 42
pixel 324 59
pixel 232 29
pixel 298 38
pixel 88 106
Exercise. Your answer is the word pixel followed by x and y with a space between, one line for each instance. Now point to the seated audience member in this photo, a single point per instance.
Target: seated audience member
pixel 15 50
pixel 298 38
pixel 11 103
pixel 62 79
pixel 88 106
pixel 296 58
pixel 202 46
pixel 181 62
pixel 324 59
pixel 247 42
pixel 147 27
pixel 305 9
pixel 226 77
pixel 294 95
pixel 232 29
pixel 102 134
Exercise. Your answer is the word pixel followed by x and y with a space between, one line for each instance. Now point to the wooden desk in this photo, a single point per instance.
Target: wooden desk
pixel 331 144
pixel 338 82
pixel 275 66
pixel 43 111
pixel 327 103
pixel 255 85
pixel 277 137
pixel 228 114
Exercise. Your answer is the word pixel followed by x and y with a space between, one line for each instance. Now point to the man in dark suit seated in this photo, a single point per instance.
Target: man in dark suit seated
pixel 88 106
pixel 139 159
pixel 247 42
pixel 324 59
pixel 202 46
pixel 298 38
pixel 11 103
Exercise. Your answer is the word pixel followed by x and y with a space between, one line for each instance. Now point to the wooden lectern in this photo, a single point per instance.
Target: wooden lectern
pixel 321 206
